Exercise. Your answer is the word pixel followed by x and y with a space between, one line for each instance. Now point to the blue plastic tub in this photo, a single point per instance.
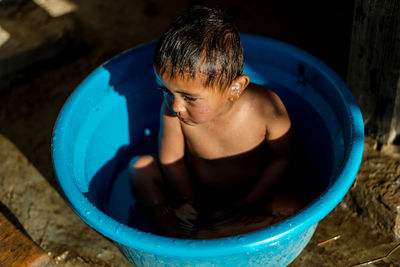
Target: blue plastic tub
pixel 114 114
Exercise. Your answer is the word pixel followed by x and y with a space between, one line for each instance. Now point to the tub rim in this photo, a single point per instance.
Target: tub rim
pixel 160 245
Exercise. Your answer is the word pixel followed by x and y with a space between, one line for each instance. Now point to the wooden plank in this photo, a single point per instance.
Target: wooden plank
pixel 16 249
pixel 374 67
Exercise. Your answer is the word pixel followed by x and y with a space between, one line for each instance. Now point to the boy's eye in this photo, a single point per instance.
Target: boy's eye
pixel 190 99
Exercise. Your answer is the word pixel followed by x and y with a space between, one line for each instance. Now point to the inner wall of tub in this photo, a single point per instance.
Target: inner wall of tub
pixel 125 122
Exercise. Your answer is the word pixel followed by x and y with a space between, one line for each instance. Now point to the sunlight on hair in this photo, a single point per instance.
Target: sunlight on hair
pixel 4 36
pixel 56 8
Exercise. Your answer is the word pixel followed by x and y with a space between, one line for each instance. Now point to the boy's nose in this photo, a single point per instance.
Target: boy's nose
pixel 177 106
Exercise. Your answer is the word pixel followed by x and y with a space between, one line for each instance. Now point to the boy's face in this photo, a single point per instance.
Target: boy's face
pixel 190 101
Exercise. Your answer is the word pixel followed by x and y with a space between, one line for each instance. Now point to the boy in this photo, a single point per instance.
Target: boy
pixel 224 142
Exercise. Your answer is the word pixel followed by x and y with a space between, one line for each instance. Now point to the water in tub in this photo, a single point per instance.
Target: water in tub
pixel 210 219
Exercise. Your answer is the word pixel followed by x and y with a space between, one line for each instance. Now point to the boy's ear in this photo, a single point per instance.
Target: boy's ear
pixel 238 86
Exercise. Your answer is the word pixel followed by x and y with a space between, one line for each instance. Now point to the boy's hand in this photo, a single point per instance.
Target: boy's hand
pixel 186 212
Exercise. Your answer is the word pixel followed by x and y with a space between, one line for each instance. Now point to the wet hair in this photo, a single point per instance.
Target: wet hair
pixel 201 40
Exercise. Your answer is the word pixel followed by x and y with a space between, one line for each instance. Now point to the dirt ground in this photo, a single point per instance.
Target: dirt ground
pixel 29 107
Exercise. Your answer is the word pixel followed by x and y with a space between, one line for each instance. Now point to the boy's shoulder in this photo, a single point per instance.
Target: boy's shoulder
pixel 264 100
pixel 269 109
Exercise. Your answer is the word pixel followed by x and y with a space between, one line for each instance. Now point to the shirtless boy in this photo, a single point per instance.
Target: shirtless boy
pixel 224 142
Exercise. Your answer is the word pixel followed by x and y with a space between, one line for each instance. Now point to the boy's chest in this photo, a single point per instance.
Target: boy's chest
pixel 225 140
pixel 228 157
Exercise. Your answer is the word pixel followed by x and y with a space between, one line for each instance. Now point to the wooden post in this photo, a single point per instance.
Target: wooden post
pixel 374 67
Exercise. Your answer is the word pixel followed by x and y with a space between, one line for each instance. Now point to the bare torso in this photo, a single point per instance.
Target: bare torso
pixel 235 156
pixel 228 156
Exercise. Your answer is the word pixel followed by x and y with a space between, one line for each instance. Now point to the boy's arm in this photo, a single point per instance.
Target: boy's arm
pixel 279 139
pixel 171 155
